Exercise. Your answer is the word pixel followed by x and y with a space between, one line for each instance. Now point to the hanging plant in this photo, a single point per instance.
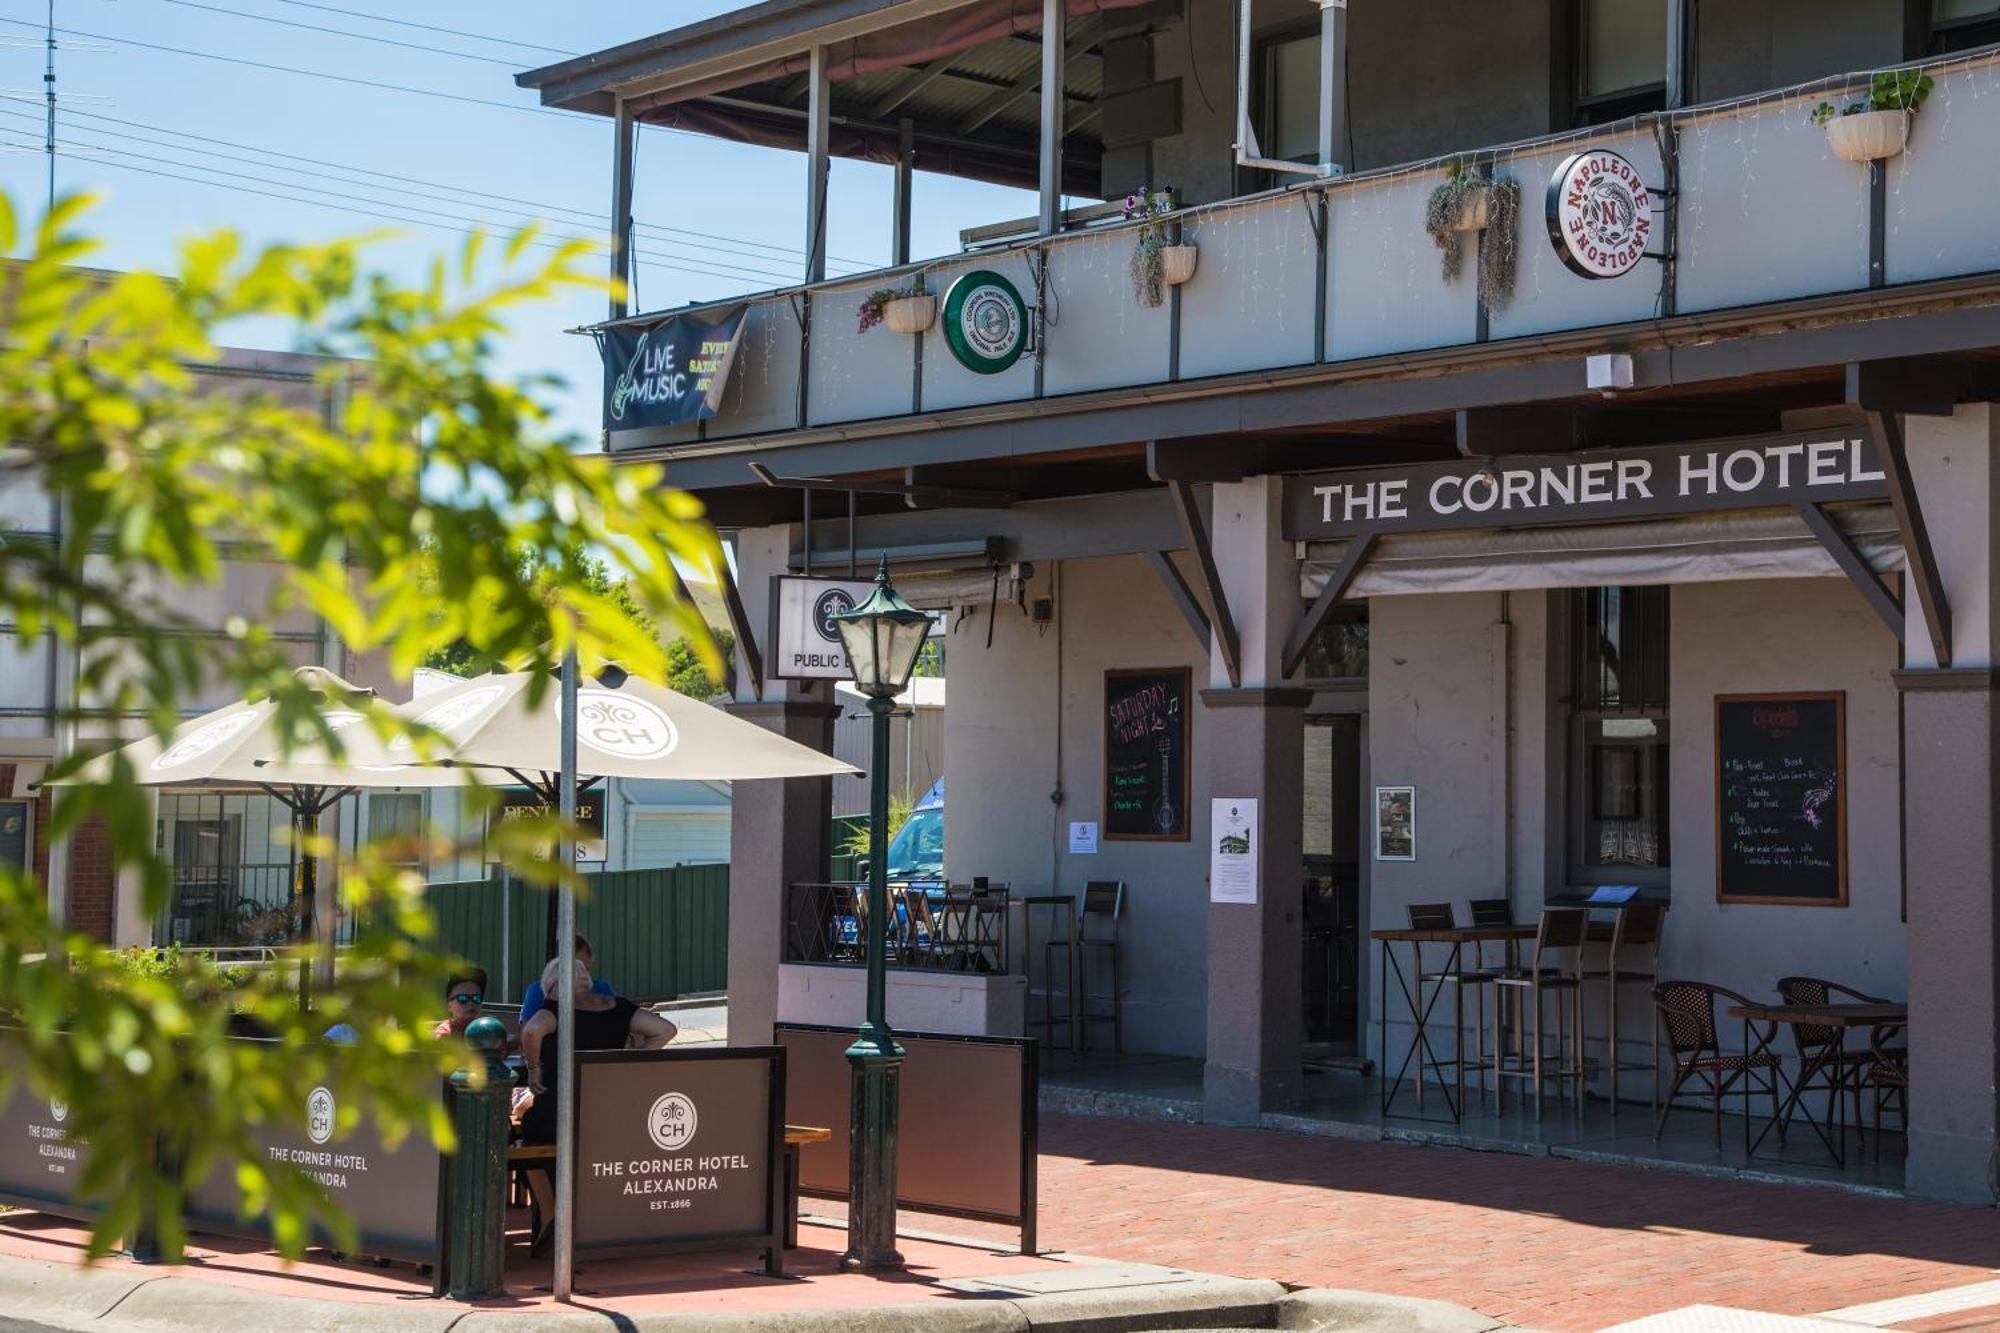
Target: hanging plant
pixel 1464 201
pixel 1149 267
pixel 1878 125
pixel 908 309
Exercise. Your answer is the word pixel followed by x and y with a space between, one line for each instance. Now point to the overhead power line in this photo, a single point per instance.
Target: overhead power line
pixel 319 74
pixel 343 32
pixel 430 27
pixel 721 245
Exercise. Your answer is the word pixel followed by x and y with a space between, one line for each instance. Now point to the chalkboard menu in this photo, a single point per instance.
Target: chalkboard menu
pixel 1146 755
pixel 1781 798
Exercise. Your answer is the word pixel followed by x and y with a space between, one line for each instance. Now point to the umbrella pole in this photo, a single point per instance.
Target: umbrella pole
pixel 308 892
pixel 565 1237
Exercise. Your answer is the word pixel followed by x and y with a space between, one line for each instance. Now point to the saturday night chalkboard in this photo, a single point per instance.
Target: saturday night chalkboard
pixel 1146 755
pixel 1781 799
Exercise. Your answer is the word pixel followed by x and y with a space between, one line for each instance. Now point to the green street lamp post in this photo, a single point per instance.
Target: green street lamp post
pixel 883 637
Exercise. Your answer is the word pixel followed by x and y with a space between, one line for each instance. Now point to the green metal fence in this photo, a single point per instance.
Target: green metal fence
pixel 656 933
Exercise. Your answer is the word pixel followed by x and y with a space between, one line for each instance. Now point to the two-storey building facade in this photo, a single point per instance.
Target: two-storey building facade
pixel 1555 452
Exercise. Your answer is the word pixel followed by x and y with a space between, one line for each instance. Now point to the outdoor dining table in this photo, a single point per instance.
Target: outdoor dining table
pixel 1842 1018
pixel 1420 1008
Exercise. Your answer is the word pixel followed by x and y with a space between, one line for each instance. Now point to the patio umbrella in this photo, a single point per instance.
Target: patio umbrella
pixel 626 728
pixel 240 745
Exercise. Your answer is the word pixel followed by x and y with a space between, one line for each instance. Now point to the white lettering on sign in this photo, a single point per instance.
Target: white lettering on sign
pixel 1740 473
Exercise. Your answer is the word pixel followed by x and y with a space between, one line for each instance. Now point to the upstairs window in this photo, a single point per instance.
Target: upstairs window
pixel 1621 59
pixel 1289 125
pixel 1619 778
pixel 1960 25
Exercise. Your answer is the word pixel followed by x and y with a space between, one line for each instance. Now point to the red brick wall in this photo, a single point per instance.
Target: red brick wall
pixel 92 885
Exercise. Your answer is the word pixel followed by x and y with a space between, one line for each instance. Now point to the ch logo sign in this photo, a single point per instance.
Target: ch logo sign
pixel 671 1121
pixel 620 724
pixel 319 1115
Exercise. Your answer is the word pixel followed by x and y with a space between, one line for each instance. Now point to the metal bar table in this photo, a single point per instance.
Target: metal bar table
pixel 1420 1050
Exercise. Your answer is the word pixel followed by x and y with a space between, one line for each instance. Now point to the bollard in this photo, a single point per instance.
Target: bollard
pixel 476 1259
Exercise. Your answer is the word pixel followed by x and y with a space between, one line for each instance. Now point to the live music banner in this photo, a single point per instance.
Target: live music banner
pixel 669 372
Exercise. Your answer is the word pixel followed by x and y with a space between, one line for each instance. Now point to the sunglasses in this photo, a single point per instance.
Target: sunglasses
pixel 473 998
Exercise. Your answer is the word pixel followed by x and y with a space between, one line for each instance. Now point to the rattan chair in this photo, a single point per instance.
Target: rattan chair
pixel 1889 1078
pixel 1556 969
pixel 1685 1011
pixel 1825 1064
pixel 1636 930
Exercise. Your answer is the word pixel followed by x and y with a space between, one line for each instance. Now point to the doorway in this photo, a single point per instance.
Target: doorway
pixel 1335 752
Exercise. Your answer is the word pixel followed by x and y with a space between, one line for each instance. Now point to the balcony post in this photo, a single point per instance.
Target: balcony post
pixel 1332 86
pixel 623 130
pixel 818 124
pixel 906 163
pixel 1680 53
pixel 1055 16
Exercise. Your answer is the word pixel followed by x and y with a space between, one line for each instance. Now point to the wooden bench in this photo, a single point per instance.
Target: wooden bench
pixel 542 1157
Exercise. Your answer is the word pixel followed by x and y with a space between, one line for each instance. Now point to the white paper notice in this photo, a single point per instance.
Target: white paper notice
pixel 1083 839
pixel 1232 850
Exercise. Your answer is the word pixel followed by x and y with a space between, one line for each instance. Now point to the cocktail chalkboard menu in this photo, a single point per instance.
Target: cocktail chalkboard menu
pixel 1781 798
pixel 1146 755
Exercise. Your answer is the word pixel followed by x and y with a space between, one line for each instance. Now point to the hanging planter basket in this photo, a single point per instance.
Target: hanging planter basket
pixel 1475 210
pixel 1868 136
pixel 1177 263
pixel 910 314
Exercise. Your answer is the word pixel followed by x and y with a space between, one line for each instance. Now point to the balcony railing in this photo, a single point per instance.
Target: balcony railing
pixel 931 927
pixel 1342 270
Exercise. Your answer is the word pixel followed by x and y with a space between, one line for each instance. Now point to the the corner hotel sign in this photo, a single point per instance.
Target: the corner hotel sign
pixel 1801 467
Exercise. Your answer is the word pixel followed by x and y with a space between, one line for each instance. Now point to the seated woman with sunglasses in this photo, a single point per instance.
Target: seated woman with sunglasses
pixel 464 999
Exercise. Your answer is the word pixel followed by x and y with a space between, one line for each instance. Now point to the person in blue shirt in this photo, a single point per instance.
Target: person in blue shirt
pixel 532 1002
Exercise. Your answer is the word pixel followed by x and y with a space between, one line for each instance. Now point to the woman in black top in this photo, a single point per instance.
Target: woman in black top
pixel 603 1023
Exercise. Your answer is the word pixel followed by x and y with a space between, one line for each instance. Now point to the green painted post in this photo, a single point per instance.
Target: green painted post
pixel 477 1262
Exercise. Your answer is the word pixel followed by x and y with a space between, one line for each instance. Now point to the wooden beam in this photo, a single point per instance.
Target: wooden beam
pixel 1225 640
pixel 1525 428
pixel 1885 603
pixel 739 624
pixel 1887 430
pixel 1183 595
pixel 1188 460
pixel 1925 386
pixel 1303 633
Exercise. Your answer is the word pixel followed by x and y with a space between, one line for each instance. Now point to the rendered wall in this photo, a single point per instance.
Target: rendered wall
pixel 1038 694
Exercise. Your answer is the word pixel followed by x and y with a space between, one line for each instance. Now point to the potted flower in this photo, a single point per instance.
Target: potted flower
pixel 1877 126
pixel 1465 201
pixel 1159 258
pixel 909 309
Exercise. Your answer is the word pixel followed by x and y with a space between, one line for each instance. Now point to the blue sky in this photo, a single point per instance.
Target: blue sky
pixel 137 105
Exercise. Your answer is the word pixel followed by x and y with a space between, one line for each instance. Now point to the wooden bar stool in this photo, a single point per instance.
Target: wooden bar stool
pixel 1556 970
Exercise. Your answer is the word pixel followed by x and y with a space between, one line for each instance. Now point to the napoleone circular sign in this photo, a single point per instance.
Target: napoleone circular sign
pixel 1600 214
pixel 985 322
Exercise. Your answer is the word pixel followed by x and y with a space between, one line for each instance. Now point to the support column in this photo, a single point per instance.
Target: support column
pixel 819 103
pixel 906 165
pixel 778 830
pixel 1055 25
pixel 1951 804
pixel 1257 750
pixel 1332 87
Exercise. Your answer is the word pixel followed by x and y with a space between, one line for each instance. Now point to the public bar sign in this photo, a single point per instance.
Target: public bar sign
pixel 807 642
pixel 669 372
pixel 681 1150
pixel 1799 467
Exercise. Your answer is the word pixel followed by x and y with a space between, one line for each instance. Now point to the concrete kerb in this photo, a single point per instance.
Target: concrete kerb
pixel 1139 1298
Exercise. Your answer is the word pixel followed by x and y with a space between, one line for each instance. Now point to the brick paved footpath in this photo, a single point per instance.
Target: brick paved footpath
pixel 1536 1241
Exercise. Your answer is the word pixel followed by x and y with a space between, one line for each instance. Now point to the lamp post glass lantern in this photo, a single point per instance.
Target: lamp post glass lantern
pixel 883 637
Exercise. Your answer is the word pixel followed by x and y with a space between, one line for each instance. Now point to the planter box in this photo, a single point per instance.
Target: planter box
pixel 1177 263
pixel 1868 135
pixel 968 1004
pixel 1476 210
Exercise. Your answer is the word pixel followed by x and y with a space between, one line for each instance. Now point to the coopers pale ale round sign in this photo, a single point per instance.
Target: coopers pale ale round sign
pixel 1600 214
pixel 985 322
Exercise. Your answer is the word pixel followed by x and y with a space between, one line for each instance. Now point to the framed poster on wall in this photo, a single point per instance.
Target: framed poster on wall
pixel 1146 727
pixel 1396 823
pixel 1781 799
pixel 17 833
